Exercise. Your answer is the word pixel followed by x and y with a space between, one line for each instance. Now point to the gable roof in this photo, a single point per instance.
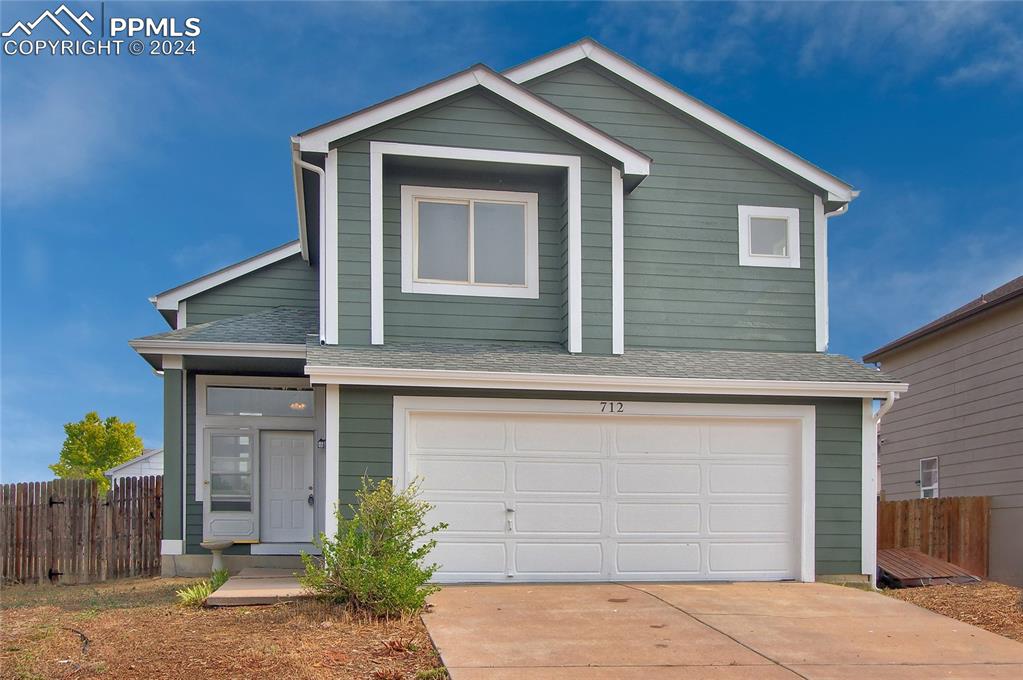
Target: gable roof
pixel 986 302
pixel 146 453
pixel 318 139
pixel 169 299
pixel 587 48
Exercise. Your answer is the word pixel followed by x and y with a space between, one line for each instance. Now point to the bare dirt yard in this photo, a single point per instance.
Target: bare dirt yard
pixel 135 629
pixel 988 605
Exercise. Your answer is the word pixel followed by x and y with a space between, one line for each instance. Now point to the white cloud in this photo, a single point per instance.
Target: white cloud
pixel 954 42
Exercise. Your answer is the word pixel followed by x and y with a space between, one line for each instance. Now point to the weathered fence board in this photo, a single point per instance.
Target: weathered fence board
pixel 65 531
pixel 955 529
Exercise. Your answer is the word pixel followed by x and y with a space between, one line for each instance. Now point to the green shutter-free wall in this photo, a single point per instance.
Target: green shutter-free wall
pixel 473 120
pixel 684 288
pixel 366 429
pixel 290 282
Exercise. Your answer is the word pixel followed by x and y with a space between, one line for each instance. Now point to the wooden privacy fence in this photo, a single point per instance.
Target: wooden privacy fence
pixel 954 529
pixel 65 531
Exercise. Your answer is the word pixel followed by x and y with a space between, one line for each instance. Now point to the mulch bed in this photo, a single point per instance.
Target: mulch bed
pixel 988 605
pixel 139 632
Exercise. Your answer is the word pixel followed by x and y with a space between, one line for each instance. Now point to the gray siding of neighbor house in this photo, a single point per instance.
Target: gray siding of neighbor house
pixel 684 288
pixel 965 407
pixel 366 447
pixel 471 120
pixel 290 282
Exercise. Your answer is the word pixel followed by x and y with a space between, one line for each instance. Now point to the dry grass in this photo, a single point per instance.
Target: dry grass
pixel 988 605
pixel 134 629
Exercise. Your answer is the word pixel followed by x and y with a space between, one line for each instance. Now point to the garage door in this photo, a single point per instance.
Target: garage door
pixel 631 493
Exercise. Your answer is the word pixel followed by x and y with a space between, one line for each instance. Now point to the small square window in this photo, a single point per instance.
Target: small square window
pixel 768 237
pixel 469 242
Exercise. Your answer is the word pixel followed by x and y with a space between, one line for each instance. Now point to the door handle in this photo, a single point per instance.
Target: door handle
pixel 311 500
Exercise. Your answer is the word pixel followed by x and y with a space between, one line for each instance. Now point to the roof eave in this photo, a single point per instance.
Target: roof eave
pixel 403 377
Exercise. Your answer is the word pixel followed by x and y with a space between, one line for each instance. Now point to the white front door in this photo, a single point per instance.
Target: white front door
pixel 286 468
pixel 643 492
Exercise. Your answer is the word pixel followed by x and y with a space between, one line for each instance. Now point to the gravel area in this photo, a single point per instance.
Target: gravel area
pixel 988 605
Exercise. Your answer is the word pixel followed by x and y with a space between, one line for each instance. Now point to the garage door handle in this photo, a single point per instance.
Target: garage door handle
pixel 509 512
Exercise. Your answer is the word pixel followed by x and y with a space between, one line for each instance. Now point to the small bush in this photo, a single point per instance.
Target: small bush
pixel 376 563
pixel 195 595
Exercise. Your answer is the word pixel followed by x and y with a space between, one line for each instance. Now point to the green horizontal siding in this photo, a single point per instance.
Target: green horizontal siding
pixel 289 283
pixel 684 288
pixel 366 448
pixel 474 120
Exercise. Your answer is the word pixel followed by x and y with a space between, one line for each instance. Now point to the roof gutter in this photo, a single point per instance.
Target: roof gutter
pixel 298 165
pixel 406 377
pixel 885 407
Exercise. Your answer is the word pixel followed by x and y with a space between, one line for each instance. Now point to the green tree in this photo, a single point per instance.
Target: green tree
pixel 92 446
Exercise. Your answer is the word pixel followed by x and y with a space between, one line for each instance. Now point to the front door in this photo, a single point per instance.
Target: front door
pixel 286 498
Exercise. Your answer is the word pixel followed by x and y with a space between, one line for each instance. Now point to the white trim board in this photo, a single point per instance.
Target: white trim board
pixel 409 377
pixel 329 282
pixel 669 94
pixel 405 407
pixel 332 467
pixel 218 349
pixel 319 138
pixel 169 299
pixel 572 164
pixel 617 262
pixel 820 274
pixel 868 502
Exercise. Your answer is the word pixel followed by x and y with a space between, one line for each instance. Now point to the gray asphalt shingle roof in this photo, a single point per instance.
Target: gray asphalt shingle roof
pixel 553 359
pixel 291 326
pixel 280 325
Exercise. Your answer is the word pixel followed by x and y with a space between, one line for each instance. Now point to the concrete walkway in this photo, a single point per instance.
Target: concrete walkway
pixel 257 586
pixel 774 631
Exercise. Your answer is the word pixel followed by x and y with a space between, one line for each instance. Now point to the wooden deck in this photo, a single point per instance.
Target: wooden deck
pixel 906 568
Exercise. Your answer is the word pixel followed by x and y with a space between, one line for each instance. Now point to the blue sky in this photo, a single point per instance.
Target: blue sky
pixel 123 176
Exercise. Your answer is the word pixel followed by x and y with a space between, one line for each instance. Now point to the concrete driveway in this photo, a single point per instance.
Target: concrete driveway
pixel 773 631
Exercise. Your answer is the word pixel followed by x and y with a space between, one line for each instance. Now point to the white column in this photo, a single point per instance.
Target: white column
pixel 868 503
pixel 332 467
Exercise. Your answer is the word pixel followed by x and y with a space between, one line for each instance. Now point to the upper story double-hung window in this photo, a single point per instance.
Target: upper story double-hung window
pixel 469 242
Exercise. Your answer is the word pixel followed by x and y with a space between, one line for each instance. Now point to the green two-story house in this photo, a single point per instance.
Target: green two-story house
pixel 587 311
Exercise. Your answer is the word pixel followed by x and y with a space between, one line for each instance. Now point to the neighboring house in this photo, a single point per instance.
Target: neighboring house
pixel 959 431
pixel 588 310
pixel 149 463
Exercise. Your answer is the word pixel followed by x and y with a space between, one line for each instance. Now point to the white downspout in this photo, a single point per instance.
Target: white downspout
pixel 885 407
pixel 296 158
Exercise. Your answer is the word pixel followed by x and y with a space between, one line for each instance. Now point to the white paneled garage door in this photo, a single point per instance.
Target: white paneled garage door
pixel 565 490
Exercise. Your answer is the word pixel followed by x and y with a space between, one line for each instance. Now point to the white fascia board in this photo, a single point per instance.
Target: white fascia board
pixel 837 190
pixel 406 377
pixel 169 299
pixel 220 349
pixel 634 162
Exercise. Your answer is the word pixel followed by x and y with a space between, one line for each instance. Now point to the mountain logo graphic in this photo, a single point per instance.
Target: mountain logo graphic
pixel 78 20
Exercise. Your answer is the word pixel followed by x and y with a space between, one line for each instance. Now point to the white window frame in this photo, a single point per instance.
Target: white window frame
pixel 411 283
pixel 937 478
pixel 749 259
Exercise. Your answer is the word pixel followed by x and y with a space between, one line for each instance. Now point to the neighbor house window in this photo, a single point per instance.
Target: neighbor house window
pixel 928 478
pixel 469 242
pixel 768 237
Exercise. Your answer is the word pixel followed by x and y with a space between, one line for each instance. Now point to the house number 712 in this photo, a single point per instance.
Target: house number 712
pixel 612 407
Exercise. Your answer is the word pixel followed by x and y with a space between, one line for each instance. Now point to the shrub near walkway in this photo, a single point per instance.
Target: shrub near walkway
pixel 135 629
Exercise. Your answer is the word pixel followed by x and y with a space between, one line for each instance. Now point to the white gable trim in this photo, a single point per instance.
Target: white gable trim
pixel 589 49
pixel 319 139
pixel 572 164
pixel 169 299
